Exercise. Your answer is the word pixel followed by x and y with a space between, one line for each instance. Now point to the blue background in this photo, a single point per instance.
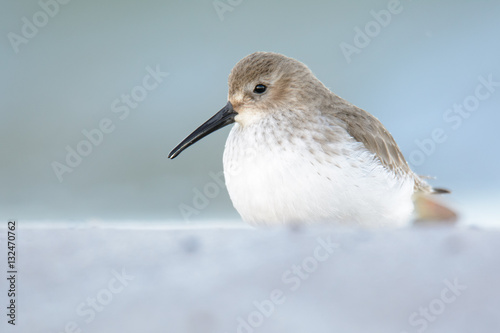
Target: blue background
pixel 66 77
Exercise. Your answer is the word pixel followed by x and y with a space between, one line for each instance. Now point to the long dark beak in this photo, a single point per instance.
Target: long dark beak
pixel 222 118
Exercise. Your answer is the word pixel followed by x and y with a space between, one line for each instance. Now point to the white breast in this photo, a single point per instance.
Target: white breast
pixel 278 176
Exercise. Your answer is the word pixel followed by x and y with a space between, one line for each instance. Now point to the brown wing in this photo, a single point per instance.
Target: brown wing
pixel 368 130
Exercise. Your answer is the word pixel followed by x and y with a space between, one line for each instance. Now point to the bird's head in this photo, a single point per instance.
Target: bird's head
pixel 260 84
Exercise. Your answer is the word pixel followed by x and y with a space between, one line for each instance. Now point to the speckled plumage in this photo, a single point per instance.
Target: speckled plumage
pixel 298 153
pixel 347 165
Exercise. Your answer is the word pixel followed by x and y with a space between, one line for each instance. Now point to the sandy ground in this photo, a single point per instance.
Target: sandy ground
pixel 147 278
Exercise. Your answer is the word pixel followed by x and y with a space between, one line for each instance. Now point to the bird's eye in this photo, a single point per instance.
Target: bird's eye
pixel 259 89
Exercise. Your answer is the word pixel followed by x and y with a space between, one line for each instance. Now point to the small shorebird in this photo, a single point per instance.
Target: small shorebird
pixel 298 153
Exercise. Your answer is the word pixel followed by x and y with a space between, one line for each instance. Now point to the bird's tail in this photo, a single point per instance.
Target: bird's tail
pixel 437 190
pixel 428 209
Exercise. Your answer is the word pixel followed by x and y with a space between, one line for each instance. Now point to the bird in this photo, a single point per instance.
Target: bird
pixel 300 154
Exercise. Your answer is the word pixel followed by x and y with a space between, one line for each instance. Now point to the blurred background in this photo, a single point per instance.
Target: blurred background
pixel 95 95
